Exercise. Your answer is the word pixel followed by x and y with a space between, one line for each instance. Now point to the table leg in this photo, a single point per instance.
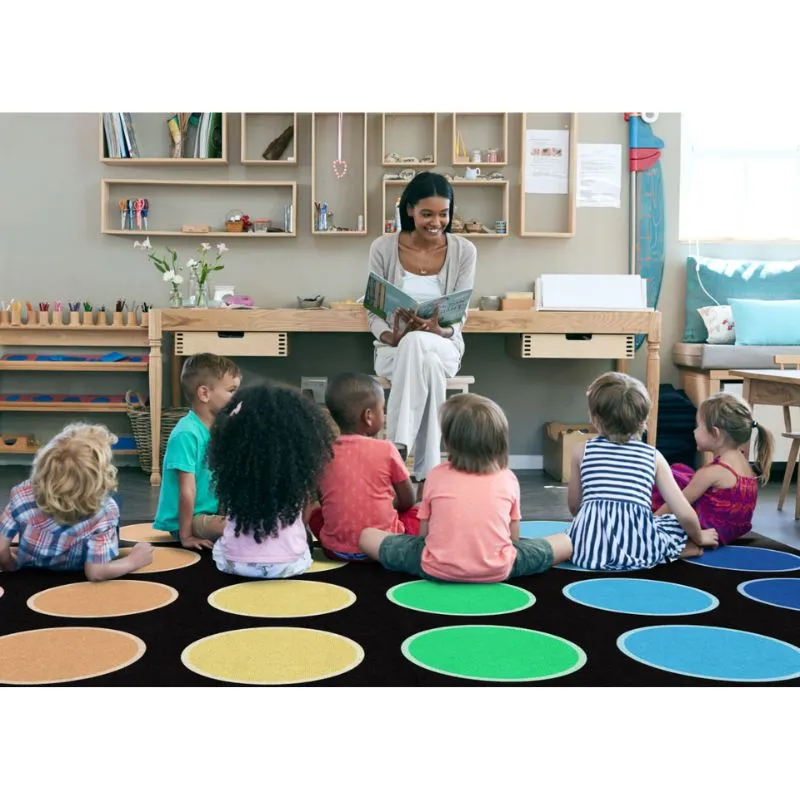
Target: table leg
pixel 175 369
pixel 156 376
pixel 653 379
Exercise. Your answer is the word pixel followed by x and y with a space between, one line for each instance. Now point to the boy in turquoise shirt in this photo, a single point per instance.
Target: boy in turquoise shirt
pixel 187 506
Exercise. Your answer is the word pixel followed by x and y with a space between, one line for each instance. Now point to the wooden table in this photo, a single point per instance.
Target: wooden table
pixel 543 332
pixel 772 387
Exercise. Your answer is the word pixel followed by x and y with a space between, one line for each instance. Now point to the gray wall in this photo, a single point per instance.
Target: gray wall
pixel 52 247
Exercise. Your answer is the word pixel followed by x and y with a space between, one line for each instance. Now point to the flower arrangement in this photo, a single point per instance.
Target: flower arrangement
pixel 170 270
pixel 202 269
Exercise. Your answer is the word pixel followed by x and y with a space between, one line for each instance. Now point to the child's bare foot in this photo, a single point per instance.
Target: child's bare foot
pixel 709 537
pixel 691 550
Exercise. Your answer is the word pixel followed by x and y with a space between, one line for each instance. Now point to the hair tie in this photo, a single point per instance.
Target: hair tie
pixel 753 424
pixel 237 409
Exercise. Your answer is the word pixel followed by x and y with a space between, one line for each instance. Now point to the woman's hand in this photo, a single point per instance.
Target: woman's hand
pixel 430 325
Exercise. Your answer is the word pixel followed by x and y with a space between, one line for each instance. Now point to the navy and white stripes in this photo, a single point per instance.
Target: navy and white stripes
pixel 615 528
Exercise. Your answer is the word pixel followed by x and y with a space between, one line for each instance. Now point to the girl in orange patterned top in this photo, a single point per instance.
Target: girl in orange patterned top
pixel 724 492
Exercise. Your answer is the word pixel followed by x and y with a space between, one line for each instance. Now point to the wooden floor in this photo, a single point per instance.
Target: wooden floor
pixel 542 498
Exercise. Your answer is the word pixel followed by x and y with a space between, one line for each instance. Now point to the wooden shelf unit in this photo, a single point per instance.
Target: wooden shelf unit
pixel 258 130
pixel 346 197
pixel 405 127
pixel 481 131
pixel 67 338
pixel 473 189
pixel 557 212
pixel 152 134
pixel 211 210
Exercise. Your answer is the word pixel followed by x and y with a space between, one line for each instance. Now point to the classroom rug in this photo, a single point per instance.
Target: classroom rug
pixel 733 622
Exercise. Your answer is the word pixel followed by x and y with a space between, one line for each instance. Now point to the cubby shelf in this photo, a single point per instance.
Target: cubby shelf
pixel 151 138
pixel 480 131
pixel 223 197
pixel 554 213
pixel 268 126
pixel 399 130
pixel 346 196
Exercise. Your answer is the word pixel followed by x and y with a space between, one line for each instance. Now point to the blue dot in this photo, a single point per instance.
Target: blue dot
pixel 721 654
pixel 640 596
pixel 780 592
pixel 536 529
pixel 748 559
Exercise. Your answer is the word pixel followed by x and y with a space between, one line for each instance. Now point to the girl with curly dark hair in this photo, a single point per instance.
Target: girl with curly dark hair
pixel 268 447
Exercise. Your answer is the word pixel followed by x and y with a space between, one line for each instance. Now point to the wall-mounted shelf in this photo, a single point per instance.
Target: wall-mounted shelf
pixel 174 203
pixel 482 132
pixel 550 216
pixel 153 141
pixel 346 197
pixel 259 130
pixel 412 136
pixel 485 201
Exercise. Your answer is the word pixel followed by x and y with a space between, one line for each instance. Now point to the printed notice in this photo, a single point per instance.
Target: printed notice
pixel 599 175
pixel 546 162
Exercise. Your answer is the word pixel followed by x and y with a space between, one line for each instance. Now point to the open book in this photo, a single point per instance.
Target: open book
pixel 383 299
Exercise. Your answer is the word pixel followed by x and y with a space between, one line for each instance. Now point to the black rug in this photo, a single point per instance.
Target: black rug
pixel 380 627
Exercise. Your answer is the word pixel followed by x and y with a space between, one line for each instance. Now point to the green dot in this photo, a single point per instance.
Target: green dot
pixel 461 599
pixel 493 653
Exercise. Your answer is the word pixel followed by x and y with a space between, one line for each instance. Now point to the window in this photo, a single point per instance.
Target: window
pixel 740 176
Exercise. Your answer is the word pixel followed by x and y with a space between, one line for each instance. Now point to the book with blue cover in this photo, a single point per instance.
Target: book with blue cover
pixel 383 299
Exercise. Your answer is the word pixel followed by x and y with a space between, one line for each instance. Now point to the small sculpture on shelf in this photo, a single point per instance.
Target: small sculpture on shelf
pixel 276 148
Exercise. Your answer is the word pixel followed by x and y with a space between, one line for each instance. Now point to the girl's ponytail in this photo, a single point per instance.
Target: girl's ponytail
pixel 765 445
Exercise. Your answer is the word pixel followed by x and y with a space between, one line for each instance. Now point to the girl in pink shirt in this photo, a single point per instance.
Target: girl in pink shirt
pixel 268 447
pixel 470 510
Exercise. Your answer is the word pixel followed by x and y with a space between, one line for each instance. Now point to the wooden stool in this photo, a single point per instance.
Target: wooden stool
pixel 784 361
pixel 460 383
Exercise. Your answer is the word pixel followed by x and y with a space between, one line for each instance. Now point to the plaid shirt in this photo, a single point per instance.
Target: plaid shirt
pixel 43 542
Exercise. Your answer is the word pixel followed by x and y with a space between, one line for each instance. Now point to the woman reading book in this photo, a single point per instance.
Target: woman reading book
pixel 418 354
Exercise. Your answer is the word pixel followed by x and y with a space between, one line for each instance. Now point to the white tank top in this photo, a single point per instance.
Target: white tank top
pixel 421 287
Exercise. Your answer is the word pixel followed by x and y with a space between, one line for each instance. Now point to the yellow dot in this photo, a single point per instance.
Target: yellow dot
pixel 280 599
pixel 324 564
pixel 272 656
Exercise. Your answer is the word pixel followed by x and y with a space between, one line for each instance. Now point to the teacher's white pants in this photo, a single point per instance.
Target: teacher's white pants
pixel 418 369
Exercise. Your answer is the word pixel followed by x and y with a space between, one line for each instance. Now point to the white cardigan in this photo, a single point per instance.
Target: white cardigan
pixel 457 273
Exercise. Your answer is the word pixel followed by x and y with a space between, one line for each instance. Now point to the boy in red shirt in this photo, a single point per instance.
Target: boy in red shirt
pixel 367 484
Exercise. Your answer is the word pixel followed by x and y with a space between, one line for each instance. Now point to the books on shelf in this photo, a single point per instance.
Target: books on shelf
pixel 120 136
pixel 383 299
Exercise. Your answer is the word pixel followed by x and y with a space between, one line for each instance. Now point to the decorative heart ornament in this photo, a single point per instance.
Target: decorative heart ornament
pixel 339 168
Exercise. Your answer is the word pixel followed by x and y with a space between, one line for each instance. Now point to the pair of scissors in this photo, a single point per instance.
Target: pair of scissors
pixel 123 210
pixel 138 206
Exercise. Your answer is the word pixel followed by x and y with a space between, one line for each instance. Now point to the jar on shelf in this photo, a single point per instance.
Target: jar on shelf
pixel 261 225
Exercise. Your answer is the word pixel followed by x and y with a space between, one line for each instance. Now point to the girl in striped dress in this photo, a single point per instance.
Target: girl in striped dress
pixel 611 484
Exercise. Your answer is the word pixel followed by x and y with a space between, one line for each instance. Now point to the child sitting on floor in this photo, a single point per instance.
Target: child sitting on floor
pixel 187 506
pixel 367 484
pixel 268 447
pixel 611 483
pixel 724 492
pixel 65 515
pixel 470 508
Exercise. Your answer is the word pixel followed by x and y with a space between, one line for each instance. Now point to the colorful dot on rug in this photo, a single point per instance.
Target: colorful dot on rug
pixel 117 598
pixel 322 563
pixel 493 653
pixel 712 653
pixel 740 558
pixel 144 532
pixel 778 592
pixel 639 596
pixel 272 656
pixel 61 655
pixel 461 599
pixel 281 598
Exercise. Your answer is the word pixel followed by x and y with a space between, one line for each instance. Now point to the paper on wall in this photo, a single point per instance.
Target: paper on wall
pixel 546 162
pixel 599 175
